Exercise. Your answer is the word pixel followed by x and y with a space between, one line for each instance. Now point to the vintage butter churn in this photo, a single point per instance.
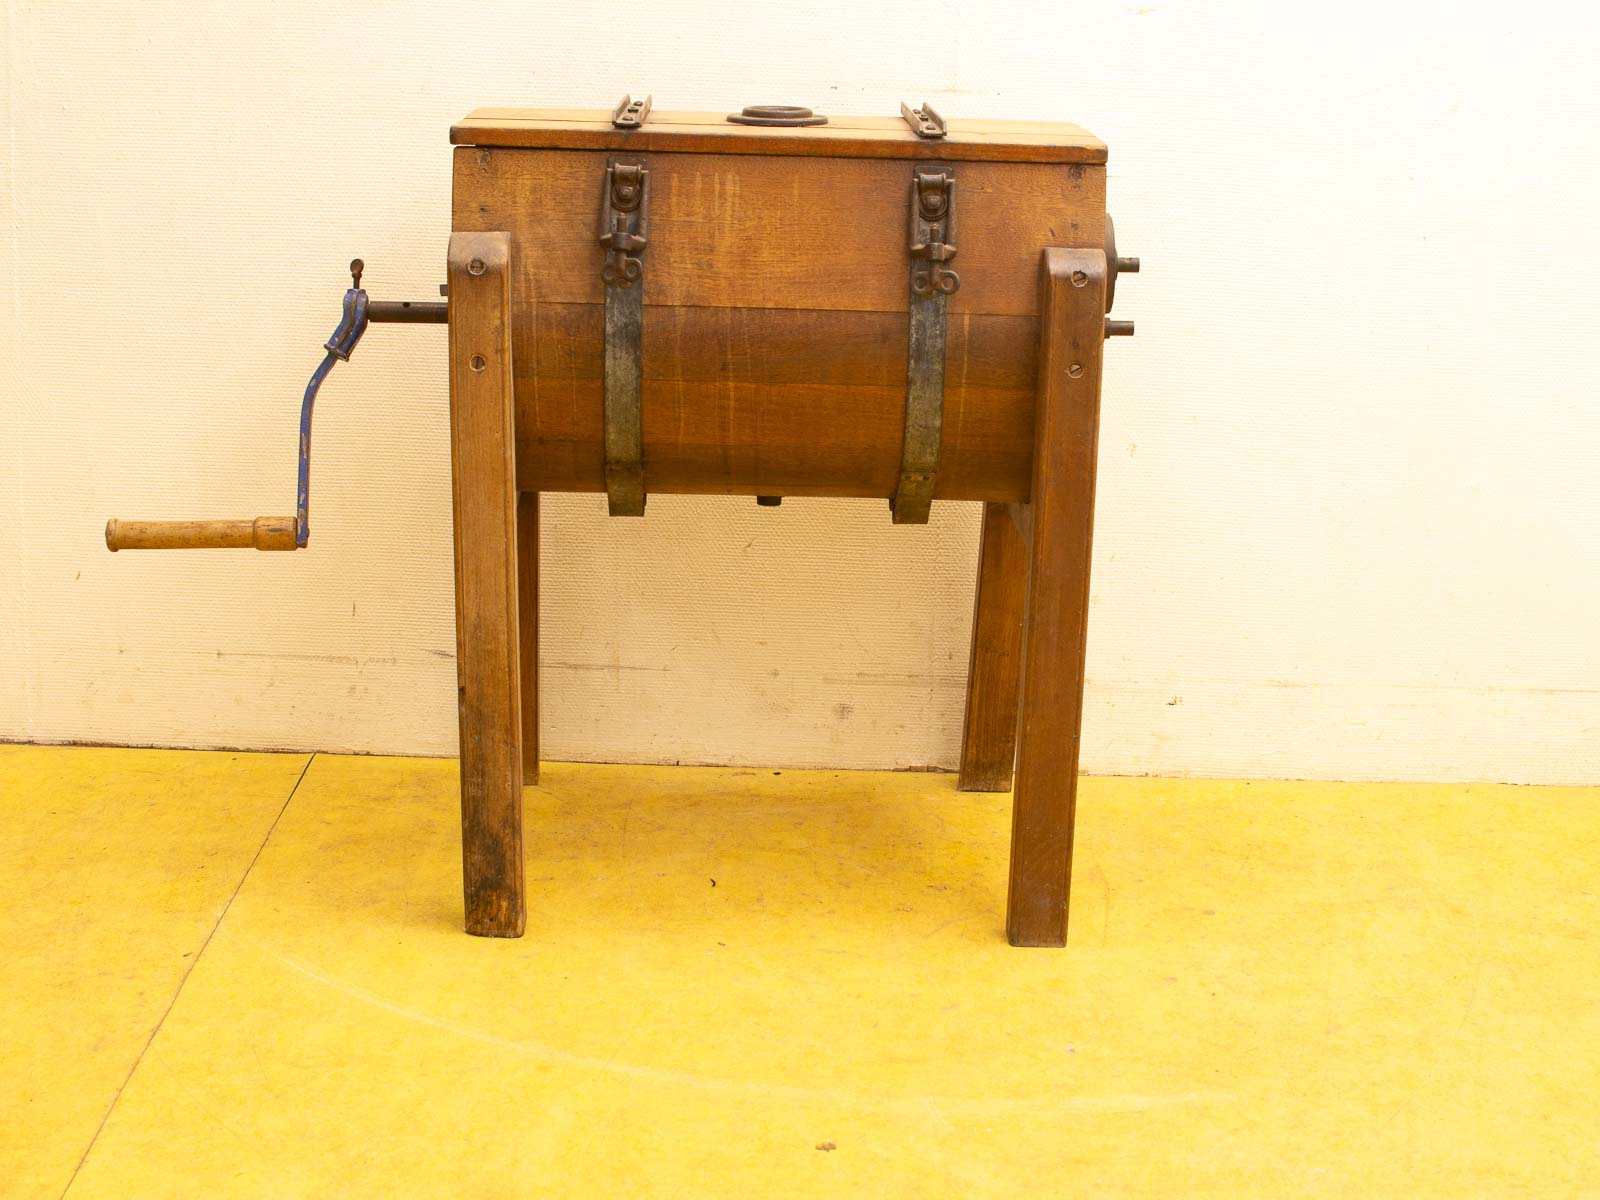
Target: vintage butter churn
pixel 768 303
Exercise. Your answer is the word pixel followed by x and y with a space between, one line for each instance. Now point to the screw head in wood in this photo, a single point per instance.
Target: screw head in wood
pixel 1075 370
pixel 476 267
pixel 478 362
pixel 1079 279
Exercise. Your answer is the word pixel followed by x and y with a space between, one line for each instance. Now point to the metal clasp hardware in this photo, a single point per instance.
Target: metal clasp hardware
pixel 630 114
pixel 624 221
pixel 924 122
pixel 933 231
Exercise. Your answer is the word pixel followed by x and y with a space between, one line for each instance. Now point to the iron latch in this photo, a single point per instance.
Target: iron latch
pixel 624 221
pixel 933 231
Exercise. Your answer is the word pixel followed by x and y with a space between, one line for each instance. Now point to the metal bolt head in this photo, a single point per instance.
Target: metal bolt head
pixel 476 267
pixel 1079 279
pixel 478 362
pixel 1075 369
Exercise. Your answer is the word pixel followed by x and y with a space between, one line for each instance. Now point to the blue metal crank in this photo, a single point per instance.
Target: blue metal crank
pixel 282 533
pixel 351 326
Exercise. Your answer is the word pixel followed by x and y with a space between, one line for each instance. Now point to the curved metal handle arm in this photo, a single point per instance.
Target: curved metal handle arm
pixel 281 533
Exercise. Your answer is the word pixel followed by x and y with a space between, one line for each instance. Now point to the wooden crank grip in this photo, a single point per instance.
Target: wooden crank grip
pixel 263 533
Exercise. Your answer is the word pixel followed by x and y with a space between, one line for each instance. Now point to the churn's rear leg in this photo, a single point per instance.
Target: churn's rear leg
pixel 989 736
pixel 482 445
pixel 1058 527
pixel 528 629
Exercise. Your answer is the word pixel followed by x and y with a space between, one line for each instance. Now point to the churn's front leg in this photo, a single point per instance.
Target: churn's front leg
pixel 989 736
pixel 1058 528
pixel 482 442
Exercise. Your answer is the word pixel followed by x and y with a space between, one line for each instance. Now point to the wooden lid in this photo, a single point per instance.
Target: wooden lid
pixel 842 137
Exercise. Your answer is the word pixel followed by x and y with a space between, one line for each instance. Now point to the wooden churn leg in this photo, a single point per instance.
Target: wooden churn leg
pixel 1057 526
pixel 482 441
pixel 528 630
pixel 989 735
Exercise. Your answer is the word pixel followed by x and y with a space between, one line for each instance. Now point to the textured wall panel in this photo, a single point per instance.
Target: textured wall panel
pixel 1347 523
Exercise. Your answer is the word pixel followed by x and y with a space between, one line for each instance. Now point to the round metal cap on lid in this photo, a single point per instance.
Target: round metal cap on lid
pixel 776 114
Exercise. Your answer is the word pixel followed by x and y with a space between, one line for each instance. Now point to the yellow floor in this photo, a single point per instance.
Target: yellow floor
pixel 1274 989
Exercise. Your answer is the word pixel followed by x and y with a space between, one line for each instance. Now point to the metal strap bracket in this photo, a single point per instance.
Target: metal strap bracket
pixel 624 232
pixel 630 114
pixel 924 122
pixel 933 244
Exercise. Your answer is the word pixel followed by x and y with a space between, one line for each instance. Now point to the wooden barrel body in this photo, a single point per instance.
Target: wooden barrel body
pixel 775 289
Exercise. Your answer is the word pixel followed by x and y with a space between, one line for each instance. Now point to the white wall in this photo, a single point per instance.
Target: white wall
pixel 1347 521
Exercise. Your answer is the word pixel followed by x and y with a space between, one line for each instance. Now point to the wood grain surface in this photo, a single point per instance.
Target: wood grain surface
pixel 775 338
pixel 793 402
pixel 747 231
pixel 843 136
